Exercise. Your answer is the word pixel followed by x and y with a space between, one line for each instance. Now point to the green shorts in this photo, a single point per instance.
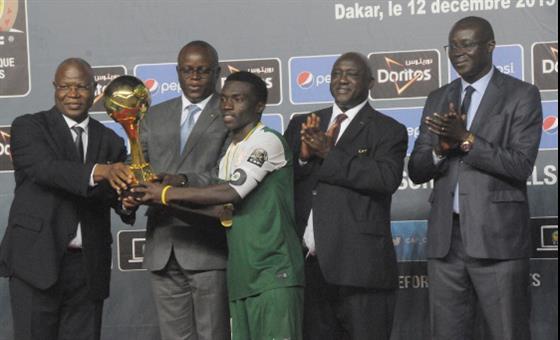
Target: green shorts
pixel 276 314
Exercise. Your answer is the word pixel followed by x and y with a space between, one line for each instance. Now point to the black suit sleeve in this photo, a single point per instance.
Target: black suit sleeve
pixel 516 160
pixel 33 154
pixel 379 172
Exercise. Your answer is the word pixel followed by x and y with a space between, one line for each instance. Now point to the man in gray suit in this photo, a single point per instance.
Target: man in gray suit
pixel 479 154
pixel 185 253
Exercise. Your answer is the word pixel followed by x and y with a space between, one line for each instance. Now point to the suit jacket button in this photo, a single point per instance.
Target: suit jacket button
pixel 314 192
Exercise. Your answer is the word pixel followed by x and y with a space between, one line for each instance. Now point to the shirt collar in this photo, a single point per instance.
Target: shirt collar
pixel 71 123
pixel 350 113
pixel 186 102
pixel 481 84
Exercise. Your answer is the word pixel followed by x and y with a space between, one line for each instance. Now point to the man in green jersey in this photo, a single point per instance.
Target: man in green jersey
pixel 265 263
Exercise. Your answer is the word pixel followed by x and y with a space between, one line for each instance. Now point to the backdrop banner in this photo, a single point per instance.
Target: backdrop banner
pixel 292 45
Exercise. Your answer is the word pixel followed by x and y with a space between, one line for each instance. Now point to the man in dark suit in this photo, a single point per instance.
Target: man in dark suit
pixel 186 254
pixel 478 141
pixel 348 162
pixel 57 246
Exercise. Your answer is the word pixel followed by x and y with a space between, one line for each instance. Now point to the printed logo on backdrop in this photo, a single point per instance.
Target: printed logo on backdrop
pixel 542 184
pixel 410 239
pixel 14 49
pixel 5 154
pixel 545 237
pixel 119 130
pixel 269 70
pixel 103 75
pixel 409 117
pixel 507 58
pixel 545 65
pixel 130 249
pixel 160 79
pixel 549 137
pixel 274 121
pixel 310 79
pixel 405 74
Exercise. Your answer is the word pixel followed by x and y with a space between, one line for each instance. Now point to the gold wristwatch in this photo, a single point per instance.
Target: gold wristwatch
pixel 468 143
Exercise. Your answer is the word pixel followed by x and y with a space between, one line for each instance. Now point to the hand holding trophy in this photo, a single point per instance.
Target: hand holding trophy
pixel 126 100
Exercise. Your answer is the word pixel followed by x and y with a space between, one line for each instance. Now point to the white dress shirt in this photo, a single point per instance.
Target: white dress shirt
pixel 76 242
pixel 480 87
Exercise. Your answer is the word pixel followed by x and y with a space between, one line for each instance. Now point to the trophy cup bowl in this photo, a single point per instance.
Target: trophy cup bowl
pixel 126 100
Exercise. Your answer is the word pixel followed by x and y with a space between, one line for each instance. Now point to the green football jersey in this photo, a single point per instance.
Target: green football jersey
pixel 264 250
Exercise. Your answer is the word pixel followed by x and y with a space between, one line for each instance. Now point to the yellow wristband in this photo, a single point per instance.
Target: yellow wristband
pixel 163 192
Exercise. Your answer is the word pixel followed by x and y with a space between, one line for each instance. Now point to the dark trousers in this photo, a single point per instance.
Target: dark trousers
pixel 333 312
pixel 62 312
pixel 458 282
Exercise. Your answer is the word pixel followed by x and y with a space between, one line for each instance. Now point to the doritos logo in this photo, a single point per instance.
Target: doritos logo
pixel 408 74
pixel 401 76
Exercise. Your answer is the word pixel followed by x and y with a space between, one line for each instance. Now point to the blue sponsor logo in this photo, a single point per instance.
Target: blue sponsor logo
pixel 310 78
pixel 119 131
pixel 273 121
pixel 507 58
pixel 410 239
pixel 160 79
pixel 549 138
pixel 409 117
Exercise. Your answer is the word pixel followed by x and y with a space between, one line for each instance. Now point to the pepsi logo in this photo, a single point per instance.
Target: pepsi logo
pixel 151 84
pixel 305 79
pixel 550 125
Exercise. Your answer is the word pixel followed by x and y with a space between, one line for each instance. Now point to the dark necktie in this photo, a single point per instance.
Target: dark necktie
pixel 466 103
pixel 78 141
pixel 334 129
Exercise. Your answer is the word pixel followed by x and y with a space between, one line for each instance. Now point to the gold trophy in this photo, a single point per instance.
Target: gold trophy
pixel 126 100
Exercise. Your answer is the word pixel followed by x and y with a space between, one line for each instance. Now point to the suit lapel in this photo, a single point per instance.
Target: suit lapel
pixel 325 116
pixel 356 125
pixel 61 135
pixel 94 140
pixel 172 124
pixel 454 95
pixel 207 117
pixel 491 98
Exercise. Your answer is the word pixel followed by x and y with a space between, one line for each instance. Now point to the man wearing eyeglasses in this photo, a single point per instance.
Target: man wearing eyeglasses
pixel 478 141
pixel 57 246
pixel 183 139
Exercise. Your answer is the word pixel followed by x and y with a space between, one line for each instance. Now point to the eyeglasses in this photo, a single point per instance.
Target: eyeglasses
pixel 80 88
pixel 202 72
pixel 467 46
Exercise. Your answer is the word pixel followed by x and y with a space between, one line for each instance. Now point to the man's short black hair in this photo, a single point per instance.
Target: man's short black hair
pixel 204 45
pixel 259 86
pixel 482 24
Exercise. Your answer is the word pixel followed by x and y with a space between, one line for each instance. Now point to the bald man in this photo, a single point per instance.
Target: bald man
pixel 348 162
pixel 57 246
